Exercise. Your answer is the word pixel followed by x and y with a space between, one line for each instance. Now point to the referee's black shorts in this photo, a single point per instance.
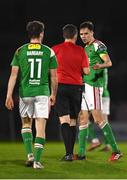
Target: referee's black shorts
pixel 68 100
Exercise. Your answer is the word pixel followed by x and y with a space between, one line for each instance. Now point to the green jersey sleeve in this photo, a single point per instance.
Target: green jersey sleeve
pixel 53 60
pixel 15 60
pixel 102 49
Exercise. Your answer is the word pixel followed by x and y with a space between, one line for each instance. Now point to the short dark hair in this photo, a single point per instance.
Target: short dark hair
pixel 69 31
pixel 87 24
pixel 34 28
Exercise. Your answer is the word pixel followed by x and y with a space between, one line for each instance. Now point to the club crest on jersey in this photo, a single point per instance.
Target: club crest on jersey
pixel 34 46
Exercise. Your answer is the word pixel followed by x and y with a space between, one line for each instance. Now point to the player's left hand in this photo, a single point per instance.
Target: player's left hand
pixel 52 99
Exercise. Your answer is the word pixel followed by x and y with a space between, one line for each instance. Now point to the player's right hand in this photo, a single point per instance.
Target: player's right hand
pixel 9 103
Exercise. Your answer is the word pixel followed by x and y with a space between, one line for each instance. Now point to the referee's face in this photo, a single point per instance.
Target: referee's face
pixel 86 35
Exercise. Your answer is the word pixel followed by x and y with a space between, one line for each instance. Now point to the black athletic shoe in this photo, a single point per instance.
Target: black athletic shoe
pixel 67 158
pixel 29 163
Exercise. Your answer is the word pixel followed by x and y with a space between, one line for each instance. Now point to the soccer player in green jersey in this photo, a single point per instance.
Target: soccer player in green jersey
pixel 95 142
pixel 33 62
pixel 92 97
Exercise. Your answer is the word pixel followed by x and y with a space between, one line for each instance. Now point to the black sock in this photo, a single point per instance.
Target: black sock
pixel 73 137
pixel 66 134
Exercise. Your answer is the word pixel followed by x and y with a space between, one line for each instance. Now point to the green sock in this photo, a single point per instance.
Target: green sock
pixel 39 143
pixel 82 137
pixel 108 134
pixel 106 141
pixel 92 133
pixel 27 139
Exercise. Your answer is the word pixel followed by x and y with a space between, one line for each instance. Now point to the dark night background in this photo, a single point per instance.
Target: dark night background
pixel 110 19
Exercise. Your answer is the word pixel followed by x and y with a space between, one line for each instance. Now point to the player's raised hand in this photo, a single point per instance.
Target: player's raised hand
pixel 9 103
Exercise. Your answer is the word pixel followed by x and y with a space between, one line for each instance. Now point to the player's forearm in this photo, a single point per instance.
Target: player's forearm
pixel 106 61
pixel 106 64
pixel 11 85
pixel 54 85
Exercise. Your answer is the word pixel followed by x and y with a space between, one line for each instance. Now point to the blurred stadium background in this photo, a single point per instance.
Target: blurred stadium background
pixel 109 18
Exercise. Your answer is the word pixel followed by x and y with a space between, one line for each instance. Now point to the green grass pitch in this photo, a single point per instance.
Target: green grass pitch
pixel 96 166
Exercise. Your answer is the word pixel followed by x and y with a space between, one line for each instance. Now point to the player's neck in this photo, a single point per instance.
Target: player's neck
pixel 35 40
pixel 91 41
pixel 70 40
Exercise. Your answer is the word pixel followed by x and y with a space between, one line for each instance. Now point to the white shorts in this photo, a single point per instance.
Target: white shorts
pixel 34 107
pixel 106 105
pixel 92 98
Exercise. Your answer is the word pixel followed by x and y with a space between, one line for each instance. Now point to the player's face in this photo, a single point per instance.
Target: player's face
pixel 86 35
